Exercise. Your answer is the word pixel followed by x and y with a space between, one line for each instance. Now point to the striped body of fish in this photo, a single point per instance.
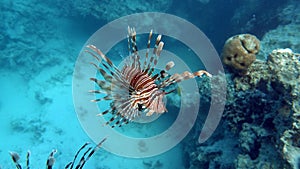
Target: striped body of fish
pixel 135 88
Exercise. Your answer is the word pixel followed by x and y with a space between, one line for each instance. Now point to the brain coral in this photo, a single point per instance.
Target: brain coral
pixel 239 52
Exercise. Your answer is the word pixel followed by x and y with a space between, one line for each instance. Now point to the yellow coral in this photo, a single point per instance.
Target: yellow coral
pixel 239 52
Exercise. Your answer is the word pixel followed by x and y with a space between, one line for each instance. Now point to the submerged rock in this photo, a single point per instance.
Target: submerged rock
pixel 261 124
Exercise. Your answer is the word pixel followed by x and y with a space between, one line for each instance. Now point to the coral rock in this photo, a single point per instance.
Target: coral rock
pixel 239 52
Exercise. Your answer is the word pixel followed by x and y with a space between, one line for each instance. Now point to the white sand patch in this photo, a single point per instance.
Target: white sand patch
pixel 43 118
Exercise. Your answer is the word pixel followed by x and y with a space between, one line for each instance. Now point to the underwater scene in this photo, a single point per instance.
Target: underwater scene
pixel 107 84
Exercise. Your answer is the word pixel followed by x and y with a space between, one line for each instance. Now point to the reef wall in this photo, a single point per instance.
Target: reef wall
pixel 260 127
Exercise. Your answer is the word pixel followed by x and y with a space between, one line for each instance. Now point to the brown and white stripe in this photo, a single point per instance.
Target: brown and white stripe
pixel 135 89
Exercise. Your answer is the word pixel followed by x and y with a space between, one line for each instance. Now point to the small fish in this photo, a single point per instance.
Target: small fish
pixel 135 88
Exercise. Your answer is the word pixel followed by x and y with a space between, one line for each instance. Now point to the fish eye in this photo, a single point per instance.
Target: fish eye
pixel 141 107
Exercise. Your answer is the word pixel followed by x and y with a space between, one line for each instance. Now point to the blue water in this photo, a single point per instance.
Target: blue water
pixel 39 45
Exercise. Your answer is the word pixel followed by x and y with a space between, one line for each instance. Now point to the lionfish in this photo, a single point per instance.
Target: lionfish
pixel 78 164
pixel 135 88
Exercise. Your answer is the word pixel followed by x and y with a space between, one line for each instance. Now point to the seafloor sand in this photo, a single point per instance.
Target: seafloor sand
pixel 39 116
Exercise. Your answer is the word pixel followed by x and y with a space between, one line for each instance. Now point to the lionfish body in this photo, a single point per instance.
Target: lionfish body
pixel 136 88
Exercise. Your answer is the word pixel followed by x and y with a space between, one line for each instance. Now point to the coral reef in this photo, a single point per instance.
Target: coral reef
pixel 260 128
pixel 107 10
pixel 290 13
pixel 283 62
pixel 254 17
pixel 284 36
pixel 273 116
pixel 31 39
pixel 261 117
pixel 239 52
